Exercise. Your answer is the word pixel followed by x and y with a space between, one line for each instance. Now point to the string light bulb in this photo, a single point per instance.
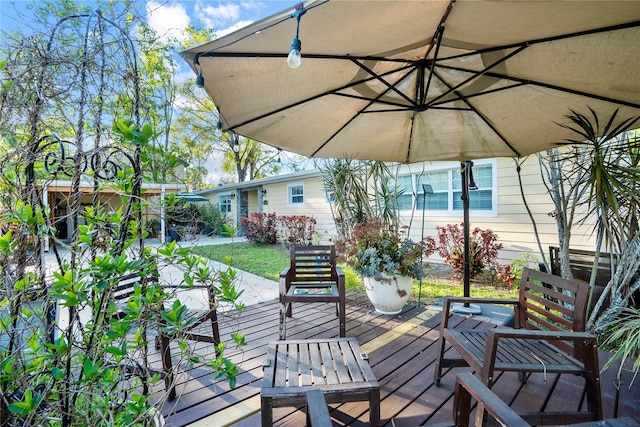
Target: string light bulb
pixel 236 144
pixel 294 59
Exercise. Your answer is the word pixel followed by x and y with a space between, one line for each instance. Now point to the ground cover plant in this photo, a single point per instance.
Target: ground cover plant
pixel 268 260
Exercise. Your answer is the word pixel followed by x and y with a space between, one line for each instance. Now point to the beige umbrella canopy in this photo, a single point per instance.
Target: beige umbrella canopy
pixel 408 81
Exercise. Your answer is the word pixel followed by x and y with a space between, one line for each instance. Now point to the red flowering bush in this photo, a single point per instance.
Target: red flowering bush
pixel 483 248
pixel 260 227
pixel 297 229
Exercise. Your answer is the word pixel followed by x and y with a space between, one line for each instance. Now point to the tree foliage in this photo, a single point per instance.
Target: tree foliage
pixel 599 175
pixel 74 104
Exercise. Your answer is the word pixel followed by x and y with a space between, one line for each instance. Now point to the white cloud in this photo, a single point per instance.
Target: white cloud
pixel 233 28
pixel 217 17
pixel 168 20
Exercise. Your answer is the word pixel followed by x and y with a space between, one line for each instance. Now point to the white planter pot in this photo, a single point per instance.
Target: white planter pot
pixel 388 296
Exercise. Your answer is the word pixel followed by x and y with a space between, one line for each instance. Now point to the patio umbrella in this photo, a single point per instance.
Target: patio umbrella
pixel 190 197
pixel 408 81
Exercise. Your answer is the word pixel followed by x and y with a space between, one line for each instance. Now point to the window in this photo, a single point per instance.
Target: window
pixel 439 182
pixel 403 186
pixel 447 189
pixel 224 203
pixel 480 199
pixel 296 194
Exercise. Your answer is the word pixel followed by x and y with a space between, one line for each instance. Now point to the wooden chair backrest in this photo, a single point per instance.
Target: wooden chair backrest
pixel 552 303
pixel 581 263
pixel 126 288
pixel 313 263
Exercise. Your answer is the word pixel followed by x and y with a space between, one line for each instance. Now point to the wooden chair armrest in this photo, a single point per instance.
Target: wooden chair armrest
pixel 446 304
pixel 497 333
pixel 468 386
pixel 317 410
pixel 285 272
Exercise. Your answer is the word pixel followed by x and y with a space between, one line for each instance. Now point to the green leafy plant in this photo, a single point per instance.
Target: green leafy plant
pixel 212 219
pixel 377 250
pixel 624 336
pixel 153 227
pixel 518 265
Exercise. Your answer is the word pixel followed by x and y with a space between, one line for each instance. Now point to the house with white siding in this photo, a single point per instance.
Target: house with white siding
pixel 497 204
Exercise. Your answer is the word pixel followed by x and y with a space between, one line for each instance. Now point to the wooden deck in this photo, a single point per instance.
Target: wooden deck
pixel 401 353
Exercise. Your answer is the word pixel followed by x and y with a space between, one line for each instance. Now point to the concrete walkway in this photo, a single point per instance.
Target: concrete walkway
pixel 255 289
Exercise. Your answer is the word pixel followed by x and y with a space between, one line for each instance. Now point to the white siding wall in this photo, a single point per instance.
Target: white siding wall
pixel 512 224
pixel 511 221
pixel 315 204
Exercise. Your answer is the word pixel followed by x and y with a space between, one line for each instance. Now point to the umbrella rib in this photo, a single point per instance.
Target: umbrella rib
pixel 386 83
pixel 376 100
pixel 631 24
pixel 545 85
pixel 475 75
pixel 484 119
pixel 349 121
pixel 435 57
pixel 320 95
pixel 485 92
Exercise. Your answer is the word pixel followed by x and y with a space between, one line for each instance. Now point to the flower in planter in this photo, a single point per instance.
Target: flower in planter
pixel 377 250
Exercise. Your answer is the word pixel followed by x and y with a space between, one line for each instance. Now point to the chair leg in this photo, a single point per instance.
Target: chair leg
pixel 215 329
pixel 437 373
pixel 167 366
pixel 283 320
pixel 341 319
pixel 592 380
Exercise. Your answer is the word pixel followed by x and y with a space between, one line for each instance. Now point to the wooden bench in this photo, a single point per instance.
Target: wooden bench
pixel 548 337
pixel 581 263
pixel 312 276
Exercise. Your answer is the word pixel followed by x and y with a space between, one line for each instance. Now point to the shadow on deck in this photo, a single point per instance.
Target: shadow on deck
pixel 402 354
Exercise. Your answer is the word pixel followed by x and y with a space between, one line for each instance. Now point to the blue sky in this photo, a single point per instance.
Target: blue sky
pixel 168 17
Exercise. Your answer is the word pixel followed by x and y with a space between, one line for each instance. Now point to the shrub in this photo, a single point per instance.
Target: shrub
pixel 212 218
pixel 518 265
pixel 297 229
pixel 153 227
pixel 260 227
pixel 483 248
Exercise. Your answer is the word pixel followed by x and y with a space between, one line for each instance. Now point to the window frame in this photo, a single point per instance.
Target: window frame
pixel 451 167
pixel 225 200
pixel 290 195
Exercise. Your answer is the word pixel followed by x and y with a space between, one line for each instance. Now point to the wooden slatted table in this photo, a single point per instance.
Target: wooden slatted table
pixel 336 366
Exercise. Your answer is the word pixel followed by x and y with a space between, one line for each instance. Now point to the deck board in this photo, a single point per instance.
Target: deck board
pixel 402 355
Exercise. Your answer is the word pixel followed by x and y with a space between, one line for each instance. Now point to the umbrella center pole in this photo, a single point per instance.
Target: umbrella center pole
pixel 467 184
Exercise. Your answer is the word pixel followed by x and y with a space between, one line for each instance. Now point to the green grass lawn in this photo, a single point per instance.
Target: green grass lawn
pixel 268 261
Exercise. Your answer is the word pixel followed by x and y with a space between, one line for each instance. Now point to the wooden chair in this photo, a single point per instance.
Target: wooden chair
pixel 312 277
pixel 197 319
pixel 317 410
pixel 548 337
pixel 469 388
